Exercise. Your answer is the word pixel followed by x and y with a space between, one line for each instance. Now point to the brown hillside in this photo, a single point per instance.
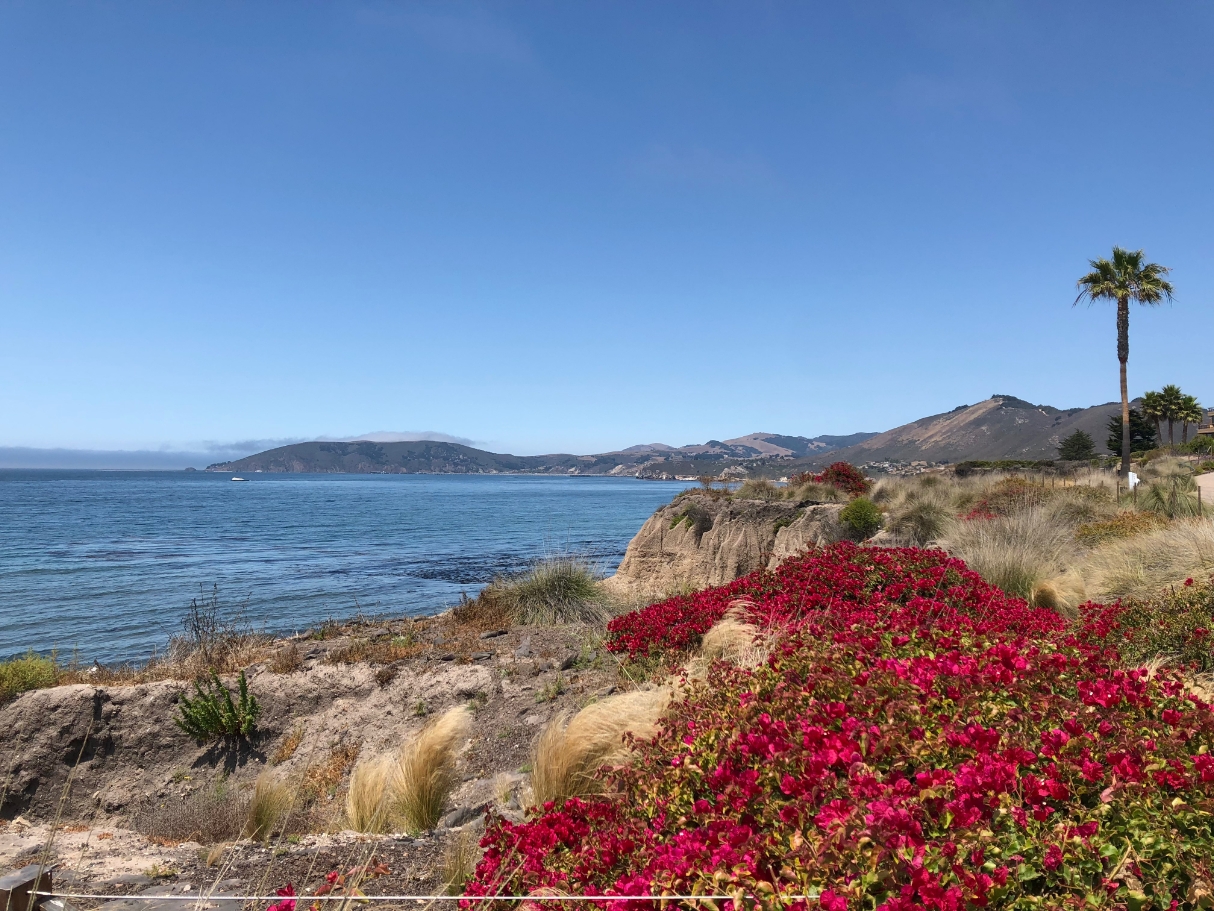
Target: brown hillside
pixel 1001 427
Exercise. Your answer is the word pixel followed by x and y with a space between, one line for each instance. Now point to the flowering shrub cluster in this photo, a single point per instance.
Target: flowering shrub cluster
pixel 336 883
pixel 843 574
pixel 917 739
pixel 843 475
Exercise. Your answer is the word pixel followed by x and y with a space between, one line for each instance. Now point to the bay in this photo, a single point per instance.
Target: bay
pixel 104 563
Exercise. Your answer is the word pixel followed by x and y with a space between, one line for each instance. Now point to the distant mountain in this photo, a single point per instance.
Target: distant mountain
pixel 370 457
pixel 443 457
pixel 1001 427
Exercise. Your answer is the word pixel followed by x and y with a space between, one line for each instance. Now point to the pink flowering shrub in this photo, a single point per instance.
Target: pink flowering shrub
pixel 917 739
pixel 843 475
pixel 835 576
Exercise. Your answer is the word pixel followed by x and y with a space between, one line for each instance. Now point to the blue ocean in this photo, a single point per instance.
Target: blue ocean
pixel 104 563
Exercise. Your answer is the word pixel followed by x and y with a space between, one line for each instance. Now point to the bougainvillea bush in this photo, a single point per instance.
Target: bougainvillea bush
pixel 843 475
pixel 916 739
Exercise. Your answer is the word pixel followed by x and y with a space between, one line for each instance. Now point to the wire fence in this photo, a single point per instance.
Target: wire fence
pixel 360 899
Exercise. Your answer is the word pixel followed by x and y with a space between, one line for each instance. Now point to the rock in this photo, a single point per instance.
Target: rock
pixel 481 656
pixel 449 656
pixel 569 661
pixel 461 816
pixel 494 633
pixel 729 539
pixel 534 719
pixel 524 649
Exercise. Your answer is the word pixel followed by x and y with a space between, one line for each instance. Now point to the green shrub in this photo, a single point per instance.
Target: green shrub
pixel 861 517
pixel 785 521
pixel 1175 626
pixel 213 714
pixel 29 672
pixel 697 519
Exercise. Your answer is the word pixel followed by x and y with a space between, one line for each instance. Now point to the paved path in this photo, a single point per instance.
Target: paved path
pixel 1206 483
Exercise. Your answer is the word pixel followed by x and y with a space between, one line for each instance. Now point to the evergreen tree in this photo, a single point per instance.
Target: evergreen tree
pixel 1142 433
pixel 1079 446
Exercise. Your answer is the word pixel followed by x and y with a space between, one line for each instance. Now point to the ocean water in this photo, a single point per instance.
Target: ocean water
pixel 104 563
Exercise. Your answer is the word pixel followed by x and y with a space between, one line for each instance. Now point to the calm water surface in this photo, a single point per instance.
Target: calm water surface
pixel 106 562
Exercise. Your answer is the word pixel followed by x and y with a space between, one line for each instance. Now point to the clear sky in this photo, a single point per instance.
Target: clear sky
pixel 579 226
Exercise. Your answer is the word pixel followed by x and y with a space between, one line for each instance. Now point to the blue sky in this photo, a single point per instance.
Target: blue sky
pixel 579 226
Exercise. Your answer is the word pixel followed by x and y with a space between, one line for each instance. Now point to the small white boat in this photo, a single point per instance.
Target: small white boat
pixel 240 479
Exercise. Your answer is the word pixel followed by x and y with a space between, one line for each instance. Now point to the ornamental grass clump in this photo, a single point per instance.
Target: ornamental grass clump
pixel 407 790
pixel 554 590
pixel 570 752
pixel 1143 566
pixel 917 739
pixel 1017 553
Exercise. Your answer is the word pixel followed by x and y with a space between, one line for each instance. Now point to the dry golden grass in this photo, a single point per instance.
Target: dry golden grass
pixel 733 639
pixel 383 650
pixel 366 798
pixel 322 779
pixel 1123 525
pixel 569 753
pixel 287 660
pixel 289 745
pixel 271 802
pixel 408 790
pixel 424 774
pixel 459 861
pixel 1142 566
pixel 1018 553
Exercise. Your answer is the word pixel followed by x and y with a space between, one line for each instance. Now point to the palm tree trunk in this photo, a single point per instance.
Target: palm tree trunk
pixel 1184 432
pixel 1171 435
pixel 1123 356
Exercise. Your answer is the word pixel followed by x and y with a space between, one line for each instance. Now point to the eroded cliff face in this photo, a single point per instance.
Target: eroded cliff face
pixel 698 541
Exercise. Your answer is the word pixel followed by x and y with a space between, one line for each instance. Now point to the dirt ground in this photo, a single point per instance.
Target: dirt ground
pixel 136 806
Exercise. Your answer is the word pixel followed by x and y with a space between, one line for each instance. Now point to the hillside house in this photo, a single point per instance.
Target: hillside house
pixel 1207 426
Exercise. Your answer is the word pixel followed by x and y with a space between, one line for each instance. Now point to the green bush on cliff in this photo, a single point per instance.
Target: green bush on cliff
pixel 861 518
pixel 29 672
pixel 214 714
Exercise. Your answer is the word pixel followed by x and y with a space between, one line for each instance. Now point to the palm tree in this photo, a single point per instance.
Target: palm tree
pixel 1126 278
pixel 1152 407
pixel 1172 400
pixel 1190 413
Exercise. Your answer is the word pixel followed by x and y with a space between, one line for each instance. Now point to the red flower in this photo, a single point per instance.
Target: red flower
pixel 1053 858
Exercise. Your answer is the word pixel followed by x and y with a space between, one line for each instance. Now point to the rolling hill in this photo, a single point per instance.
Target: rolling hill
pixel 1001 427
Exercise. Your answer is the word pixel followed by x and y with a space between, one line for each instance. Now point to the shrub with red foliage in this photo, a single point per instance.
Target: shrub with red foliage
pixel 917 739
pixel 843 475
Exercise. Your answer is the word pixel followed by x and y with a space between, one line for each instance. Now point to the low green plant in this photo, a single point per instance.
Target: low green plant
pixel 696 517
pixel 28 672
pixel 213 714
pixel 1174 626
pixel 550 691
pixel 785 521
pixel 861 518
